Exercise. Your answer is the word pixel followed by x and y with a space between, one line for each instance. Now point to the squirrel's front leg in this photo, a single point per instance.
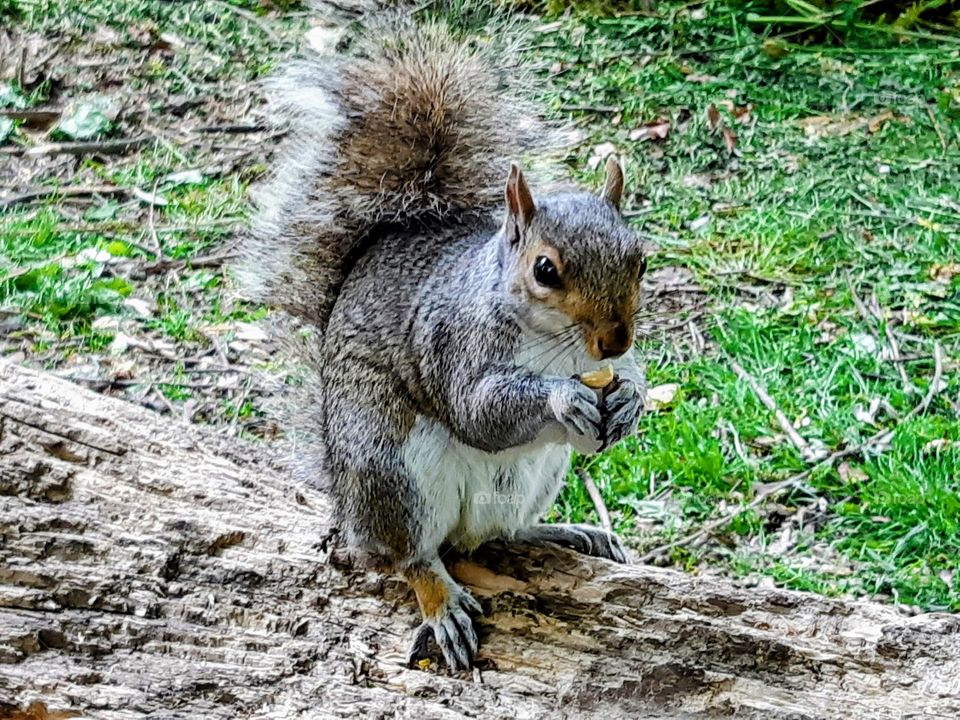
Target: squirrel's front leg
pixel 507 407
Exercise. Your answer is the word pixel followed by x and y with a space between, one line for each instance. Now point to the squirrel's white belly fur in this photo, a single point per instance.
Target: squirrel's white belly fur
pixel 471 496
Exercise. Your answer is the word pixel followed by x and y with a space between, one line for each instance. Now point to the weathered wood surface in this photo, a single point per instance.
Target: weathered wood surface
pixel 151 569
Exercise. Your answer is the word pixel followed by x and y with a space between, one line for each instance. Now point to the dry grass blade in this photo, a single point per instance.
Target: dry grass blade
pixel 594 492
pixel 878 438
pixel 807 452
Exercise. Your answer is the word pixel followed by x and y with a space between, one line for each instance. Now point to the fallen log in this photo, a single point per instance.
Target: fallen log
pixel 154 569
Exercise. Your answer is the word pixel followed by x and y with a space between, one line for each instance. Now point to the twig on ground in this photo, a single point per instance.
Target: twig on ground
pixel 737 445
pixel 696 338
pixel 24 269
pixel 666 289
pixel 934 383
pixel 592 108
pixel 164 399
pixel 77 191
pixel 249 17
pixel 869 315
pixel 936 129
pixel 231 129
pixel 597 499
pixel 897 358
pixel 32 117
pixel 206 261
pixel 113 228
pixel 239 407
pixel 878 438
pixel 807 452
pixel 865 314
pixel 154 236
pixel 99 147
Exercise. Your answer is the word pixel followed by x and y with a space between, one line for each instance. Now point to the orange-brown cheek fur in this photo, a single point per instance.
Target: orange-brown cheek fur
pixel 595 320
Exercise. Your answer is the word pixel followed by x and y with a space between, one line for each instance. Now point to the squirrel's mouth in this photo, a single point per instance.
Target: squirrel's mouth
pixel 611 342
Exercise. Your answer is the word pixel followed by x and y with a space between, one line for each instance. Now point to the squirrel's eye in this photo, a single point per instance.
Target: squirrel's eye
pixel 643 267
pixel 545 272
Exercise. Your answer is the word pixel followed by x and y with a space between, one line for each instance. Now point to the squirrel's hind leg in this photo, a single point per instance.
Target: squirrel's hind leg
pixel 446 608
pixel 585 539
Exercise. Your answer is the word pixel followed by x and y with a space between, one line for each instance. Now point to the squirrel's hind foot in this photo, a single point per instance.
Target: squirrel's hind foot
pixel 585 539
pixel 446 609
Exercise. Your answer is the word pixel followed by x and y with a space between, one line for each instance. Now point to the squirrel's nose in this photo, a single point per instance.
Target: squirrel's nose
pixel 615 342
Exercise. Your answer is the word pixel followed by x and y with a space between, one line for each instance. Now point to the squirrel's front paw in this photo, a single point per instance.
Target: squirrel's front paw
pixel 622 410
pixel 577 408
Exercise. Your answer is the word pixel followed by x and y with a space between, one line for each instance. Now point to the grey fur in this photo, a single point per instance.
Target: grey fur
pixel 439 380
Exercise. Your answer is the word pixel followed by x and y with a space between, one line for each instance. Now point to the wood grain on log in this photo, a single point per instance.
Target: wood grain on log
pixel 152 569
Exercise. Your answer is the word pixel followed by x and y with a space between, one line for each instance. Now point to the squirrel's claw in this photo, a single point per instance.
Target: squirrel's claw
pixel 585 539
pixel 420 649
pixel 576 407
pixel 469 603
pixel 453 633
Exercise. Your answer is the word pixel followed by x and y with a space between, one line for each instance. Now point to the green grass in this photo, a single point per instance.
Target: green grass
pixel 71 265
pixel 872 208
pixel 843 179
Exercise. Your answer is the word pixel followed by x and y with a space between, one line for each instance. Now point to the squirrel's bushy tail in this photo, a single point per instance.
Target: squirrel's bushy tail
pixel 413 125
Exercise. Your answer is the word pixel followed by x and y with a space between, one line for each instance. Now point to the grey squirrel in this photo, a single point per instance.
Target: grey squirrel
pixel 453 310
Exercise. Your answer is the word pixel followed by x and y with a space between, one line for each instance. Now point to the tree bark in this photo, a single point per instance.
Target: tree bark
pixel 153 569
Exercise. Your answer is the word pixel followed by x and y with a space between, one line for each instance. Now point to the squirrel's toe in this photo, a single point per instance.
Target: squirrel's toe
pixel 618 553
pixel 453 633
pixel 469 603
pixel 420 649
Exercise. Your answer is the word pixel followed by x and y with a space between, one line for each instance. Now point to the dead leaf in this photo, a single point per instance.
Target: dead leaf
pixel 850 474
pixel 106 324
pixel 107 36
pixel 149 198
pixel 867 415
pixel 600 153
pixel 937 445
pixel 930 225
pixel 698 181
pixel 828 331
pixel 875 123
pixel 36 57
pixel 140 307
pixel 123 369
pixel 713 118
pixel 661 395
pixel 775 48
pixel 742 114
pixel 121 342
pixel 323 40
pixel 768 441
pixel 944 273
pixel 819 126
pixel 657 130
pixel 864 343
pixel 702 79
pixel 729 139
pixel 250 332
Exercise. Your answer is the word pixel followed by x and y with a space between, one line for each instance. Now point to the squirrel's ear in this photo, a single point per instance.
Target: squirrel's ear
pixel 520 207
pixel 613 185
